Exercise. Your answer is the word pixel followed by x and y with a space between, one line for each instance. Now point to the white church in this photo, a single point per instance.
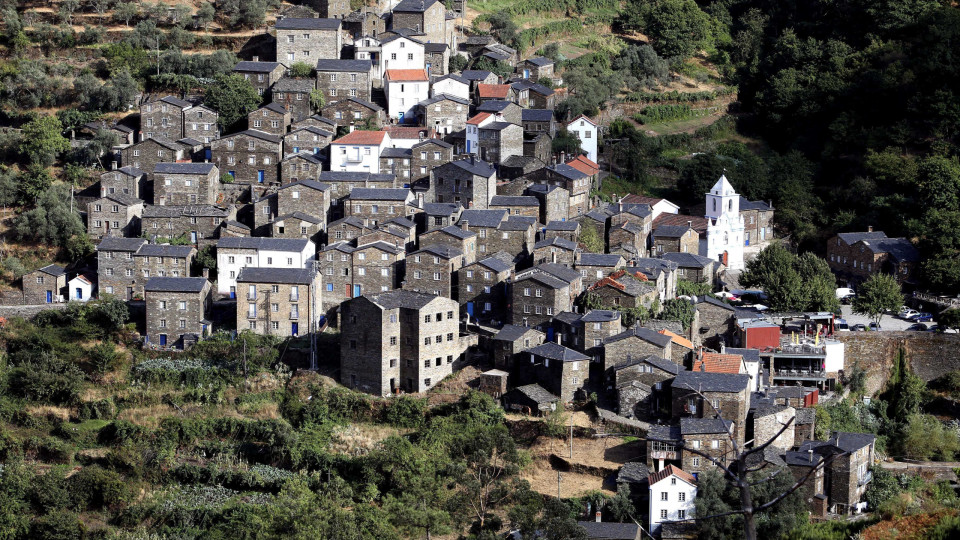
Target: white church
pixel 725 226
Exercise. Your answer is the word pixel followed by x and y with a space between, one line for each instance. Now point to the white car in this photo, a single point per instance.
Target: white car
pixel 845 292
pixel 907 314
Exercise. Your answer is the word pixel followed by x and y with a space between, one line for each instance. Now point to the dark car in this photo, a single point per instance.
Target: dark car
pixel 923 317
pixel 919 327
pixel 858 328
pixel 875 327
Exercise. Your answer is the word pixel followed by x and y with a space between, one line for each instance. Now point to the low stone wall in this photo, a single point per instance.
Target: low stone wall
pixel 28 312
pixel 929 355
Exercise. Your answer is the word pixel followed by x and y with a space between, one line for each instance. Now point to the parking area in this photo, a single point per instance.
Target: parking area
pixel 889 322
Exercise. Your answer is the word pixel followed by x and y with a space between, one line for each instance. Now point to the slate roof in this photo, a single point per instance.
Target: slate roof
pixel 688 260
pixel 128 170
pixel 511 332
pixel 536 115
pixel 349 220
pixel 805 416
pixel 482 218
pixel 443 96
pixel 600 315
pixel 439 142
pixel 710 299
pixel 183 168
pixel 354 176
pixel 364 103
pixel 163 250
pixel 559 271
pixel 566 171
pixel 529 85
pixel 414 6
pixel 900 248
pixel 189 141
pixel 494 105
pixel 853 237
pixel 802 459
pixel 711 382
pixel 537 393
pixel 309 156
pixel 475 74
pixel 497 126
pixel 298 215
pixel 259 67
pixel 291 84
pixel 192 210
pixel 608 530
pixel 313 23
pixel 446 252
pixel 495 264
pixel 562 225
pixel 664 433
pixel 273 244
pixel 453 76
pixel 440 209
pixel 645 334
pixel 114 243
pixel 555 351
pixel 762 206
pixel 476 167
pixel 670 231
pixel 558 242
pixel 851 442
pixel 400 298
pixel 175 284
pixel 455 231
pixel 176 101
pixel 433 48
pixel 514 200
pixel 253 274
pixel 396 153
pixel 122 198
pixel 567 317
pixel 539 61
pixel 600 259
pixel 633 472
pixel 704 426
pixel 53 270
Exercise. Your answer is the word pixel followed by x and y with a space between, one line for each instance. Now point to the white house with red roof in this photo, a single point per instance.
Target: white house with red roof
pixel 358 151
pixel 473 131
pixel 587 131
pixel 672 495
pixel 404 89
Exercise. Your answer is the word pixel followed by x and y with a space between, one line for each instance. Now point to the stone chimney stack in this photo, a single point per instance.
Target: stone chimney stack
pixel 256 58
pixel 465 224
pixel 870 228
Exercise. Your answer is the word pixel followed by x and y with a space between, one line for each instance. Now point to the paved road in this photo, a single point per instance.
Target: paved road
pixel 889 322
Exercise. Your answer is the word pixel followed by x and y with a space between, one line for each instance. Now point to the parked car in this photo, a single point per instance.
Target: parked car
pixel 845 295
pixel 907 313
pixel 922 317
pixel 841 325
pixel 941 330
pixel 875 327
pixel 858 328
pixel 918 327
pixel 729 296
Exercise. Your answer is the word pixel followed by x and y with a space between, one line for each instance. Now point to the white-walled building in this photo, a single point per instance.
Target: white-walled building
pixel 404 89
pixel 236 253
pixel 400 52
pixel 81 288
pixel 452 85
pixel 672 495
pixel 725 227
pixel 587 131
pixel 473 131
pixel 368 48
pixel 358 151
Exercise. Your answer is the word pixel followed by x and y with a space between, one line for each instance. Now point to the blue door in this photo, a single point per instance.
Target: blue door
pixel 49 296
pixel 260 176
pixel 203 329
pixel 401 118
pixel 428 68
pixel 468 146
pixel 208 154
pixel 470 309
pixel 79 293
pixel 295 329
pixel 163 340
pixel 526 74
pixel 356 291
pixel 296 149
pixel 549 334
pixel 233 174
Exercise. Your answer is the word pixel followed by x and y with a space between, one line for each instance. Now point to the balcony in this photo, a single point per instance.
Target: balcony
pixel 865 479
pixel 356 158
pixel 669 455
pixel 800 374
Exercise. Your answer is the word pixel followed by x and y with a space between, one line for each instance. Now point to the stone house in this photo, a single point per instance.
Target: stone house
pixel 114 215
pixel 376 205
pixel 297 225
pixel 307 197
pixel 568 230
pixel 500 92
pixel 426 156
pixel 682 348
pixel 396 161
pixel 541 97
pixel 500 140
pixel 693 267
pixel 717 321
pixel 539 147
pixel 281 302
pixel 675 239
pixel 757 222
pixel 628 289
pixel 315 120
pixel 356 113
pixel 535 68
pixel 346 229
pixel 470 182
pixel 177 311
pixel 250 157
pixel 424 16
pixel 586 333
pixel 162 260
pixel 45 285
pixel 512 340
pixel 272 118
pixel 126 134
pixel 596 266
pixel 307 40
pixel 854 257
pixel 554 203
pixel 196 223
pixel 700 395
pixel 453 237
pixel 479 76
pixel 178 184
pixel 514 169
pixel 542 292
pixel 556 250
pixel 502 111
pixel 559 370
pixel 260 75
pixel 299 166
pixel 642 386
pixel 349 272
pixel 517 205
pixel 127 181
pixel 848 474
pixel 807 467
pixel 711 436
pixel 235 254
pixel 628 239
pixel 145 154
pixel 399 232
pixel 434 270
pixel 310 139
pixel 437 216
pixel 437 58
pixel 483 289
pixel 536 121
pixel 200 124
pixel 444 113
pixel 530 399
pixel 633 343
pixel 163 118
pixel 767 421
pixel 330 9
pixel 661 273
pixel 116 270
pixel 398 340
pixel 576 183
pixel 293 94
pixel 343 79
pixel 498 231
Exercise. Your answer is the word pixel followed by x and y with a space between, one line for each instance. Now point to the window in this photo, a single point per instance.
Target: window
pixel 393 340
pixel 714 444
pixel 696 445
pixel 426 382
pixel 682 497
pixel 681 514
pixel 426 363
pixel 696 462
pixel 426 340
pixel 450 336
pixel 163 323
pixel 663 514
pixel 526 291
pixel 664 496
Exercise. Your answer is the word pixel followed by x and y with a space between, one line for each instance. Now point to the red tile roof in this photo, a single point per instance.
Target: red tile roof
pixel 413 75
pixel 409 132
pixel 584 165
pixel 612 280
pixel 360 136
pixel 480 117
pixel 498 91
pixel 719 363
pixel 585 117
pixel 640 199
pixel 699 224
pixel 669 471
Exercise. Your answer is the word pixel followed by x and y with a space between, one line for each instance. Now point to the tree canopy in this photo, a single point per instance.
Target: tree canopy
pixel 792 283
pixel 878 294
pixel 233 98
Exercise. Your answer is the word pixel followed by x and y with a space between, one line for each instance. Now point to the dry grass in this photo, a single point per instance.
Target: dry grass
pixel 543 479
pixel 359 439
pixel 149 416
pixel 49 411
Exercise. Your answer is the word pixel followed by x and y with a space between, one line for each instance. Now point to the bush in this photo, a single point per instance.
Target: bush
pixel 301 70
pixel 59 525
pixel 405 411
pixel 47 379
pixel 95 488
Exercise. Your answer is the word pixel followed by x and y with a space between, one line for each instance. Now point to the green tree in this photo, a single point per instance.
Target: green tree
pixel 679 28
pixel 567 143
pixel 233 98
pixel 485 461
pixel 301 70
pixel 878 294
pixel 42 140
pixel 205 15
pixel 591 239
pixel 678 309
pixel 32 183
pixel 693 288
pixel 126 12
pixel 15 267
pixel 949 318
pixel 773 270
pixel 457 63
pixel 317 100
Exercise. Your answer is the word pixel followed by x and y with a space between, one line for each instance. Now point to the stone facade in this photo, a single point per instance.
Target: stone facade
pixel 700 395
pixel 146 154
pixel 306 197
pixel 433 270
pixel 163 118
pixel 453 237
pixel 399 340
pixel 576 183
pixel 177 308
pixel 511 341
pixel 294 95
pixel 45 285
pixel 426 156
pixel 307 40
pixel 470 182
pixel 675 239
pixel 437 58
pixel 195 222
pixel 854 257
pixel 125 181
pixel 370 268
pixel 542 292
pixel 260 75
pixel 299 166
pixel 343 79
pixel 308 139
pixel 633 343
pixel 717 321
pixel 711 437
pixel 378 205
pixel 114 215
pixel 273 119
pixel 250 156
pixel 483 289
pixel 283 302
pixel 200 124
pixel 554 202
pixel 444 113
pixel 161 260
pixel 178 184
pixel 116 270
pixel 428 18
pixel 757 222
pixel 356 113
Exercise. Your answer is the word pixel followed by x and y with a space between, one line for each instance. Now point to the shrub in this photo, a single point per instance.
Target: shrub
pixel 59 524
pixel 94 488
pixel 405 411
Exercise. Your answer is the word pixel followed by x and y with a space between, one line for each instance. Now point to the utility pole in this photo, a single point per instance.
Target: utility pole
pixel 158 56
pixel 559 476
pixel 571 437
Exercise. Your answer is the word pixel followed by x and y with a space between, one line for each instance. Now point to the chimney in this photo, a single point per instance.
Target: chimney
pixel 810 454
pixel 690 224
pixel 113 165
pixel 597 516
pixel 723 348
pixel 473 159
pixel 465 225
pixel 870 228
pixel 558 339
pixel 206 273
pixel 206 161
pixel 256 58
